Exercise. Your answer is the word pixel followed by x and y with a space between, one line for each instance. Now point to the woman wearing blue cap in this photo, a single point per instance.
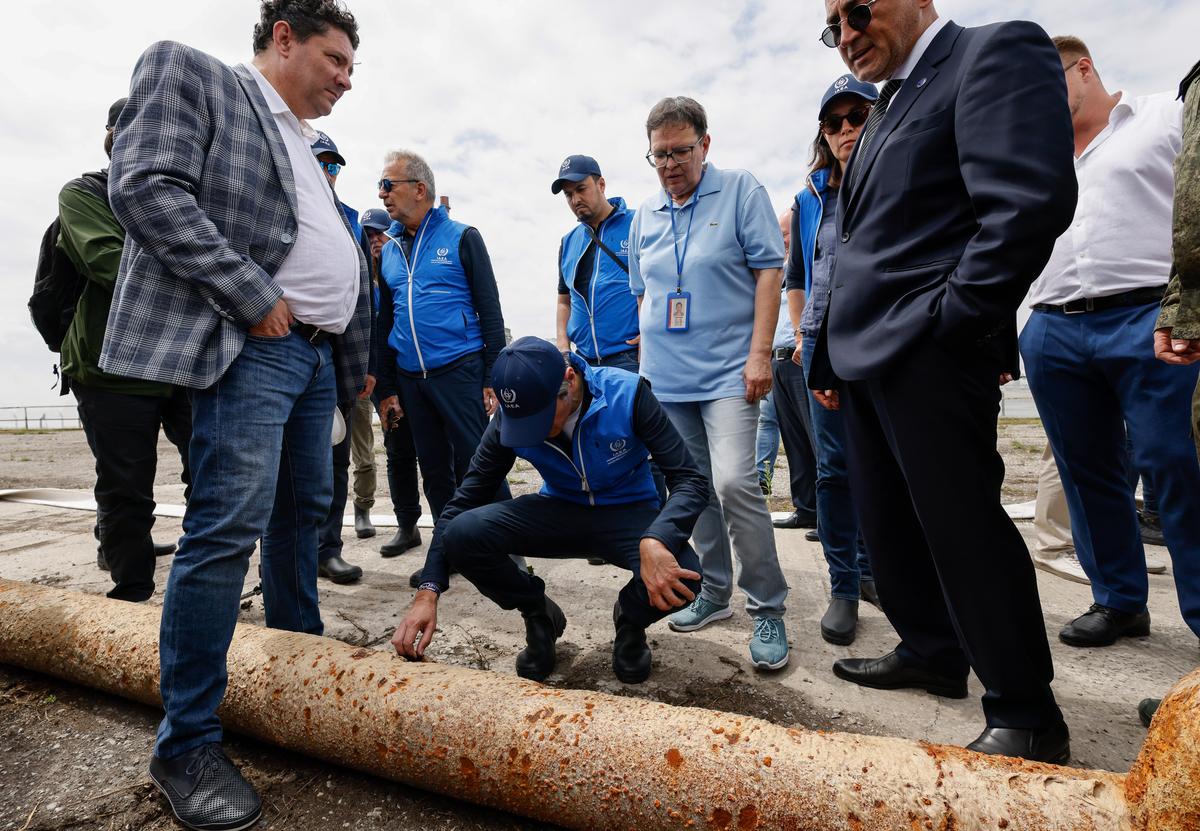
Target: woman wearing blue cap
pixel 844 109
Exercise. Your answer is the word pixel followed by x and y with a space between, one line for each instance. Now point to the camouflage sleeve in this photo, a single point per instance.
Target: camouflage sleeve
pixel 1181 304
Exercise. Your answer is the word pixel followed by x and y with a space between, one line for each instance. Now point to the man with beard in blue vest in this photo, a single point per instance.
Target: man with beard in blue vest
pixel 587 430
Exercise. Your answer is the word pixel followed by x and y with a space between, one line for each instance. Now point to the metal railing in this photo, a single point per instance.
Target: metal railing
pixel 39 418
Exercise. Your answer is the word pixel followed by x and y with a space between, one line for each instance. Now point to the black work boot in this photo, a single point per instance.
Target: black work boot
pixel 839 624
pixel 406 537
pixel 363 527
pixel 542 628
pixel 631 655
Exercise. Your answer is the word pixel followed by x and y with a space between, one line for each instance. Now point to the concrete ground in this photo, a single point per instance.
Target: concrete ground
pixel 53 733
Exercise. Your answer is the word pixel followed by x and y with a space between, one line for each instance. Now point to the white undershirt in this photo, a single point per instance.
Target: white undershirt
pixel 1120 238
pixel 319 276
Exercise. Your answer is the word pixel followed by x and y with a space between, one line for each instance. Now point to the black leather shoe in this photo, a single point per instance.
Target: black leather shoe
pixel 338 570
pixel 1049 744
pixel 164 549
pixel 1147 707
pixel 866 588
pixel 797 520
pixel 631 654
pixel 811 535
pixel 205 791
pixel 363 527
pixel 1151 527
pixel 890 673
pixel 839 624
pixel 542 628
pixel 1101 626
pixel 406 537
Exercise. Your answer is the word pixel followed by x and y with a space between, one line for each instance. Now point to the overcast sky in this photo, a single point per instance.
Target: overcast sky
pixel 494 95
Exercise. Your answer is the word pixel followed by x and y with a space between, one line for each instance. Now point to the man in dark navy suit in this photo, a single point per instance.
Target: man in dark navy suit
pixel 959 185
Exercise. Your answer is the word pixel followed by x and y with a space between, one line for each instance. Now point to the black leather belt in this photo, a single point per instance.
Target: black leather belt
pixel 311 333
pixel 783 353
pixel 1137 297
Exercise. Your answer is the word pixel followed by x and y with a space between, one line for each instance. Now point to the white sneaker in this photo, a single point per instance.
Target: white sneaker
pixel 1065 565
pixel 1156 561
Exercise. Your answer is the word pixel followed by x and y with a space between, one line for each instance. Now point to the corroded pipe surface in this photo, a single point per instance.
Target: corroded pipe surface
pixel 583 759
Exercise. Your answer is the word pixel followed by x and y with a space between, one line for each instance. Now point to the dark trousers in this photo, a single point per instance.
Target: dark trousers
pixel 447 418
pixel 953 573
pixel 122 431
pixel 402 473
pixel 329 535
pixel 478 544
pixel 790 394
pixel 1095 380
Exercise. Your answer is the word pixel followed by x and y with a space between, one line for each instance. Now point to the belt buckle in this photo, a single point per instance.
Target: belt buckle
pixel 316 334
pixel 1089 305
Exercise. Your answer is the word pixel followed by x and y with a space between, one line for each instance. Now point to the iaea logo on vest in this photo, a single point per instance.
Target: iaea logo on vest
pixel 619 448
pixel 441 258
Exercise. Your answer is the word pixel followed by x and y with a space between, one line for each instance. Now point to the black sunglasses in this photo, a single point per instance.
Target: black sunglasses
pixel 858 19
pixel 831 125
pixel 386 185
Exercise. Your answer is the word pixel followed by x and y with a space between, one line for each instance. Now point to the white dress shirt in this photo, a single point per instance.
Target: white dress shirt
pixel 319 277
pixel 918 50
pixel 1120 239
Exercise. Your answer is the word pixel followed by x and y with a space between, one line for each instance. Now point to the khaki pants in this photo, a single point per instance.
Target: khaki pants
pixel 1051 521
pixel 362 453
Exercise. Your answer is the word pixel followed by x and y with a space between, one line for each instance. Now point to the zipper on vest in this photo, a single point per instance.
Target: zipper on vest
pixel 416 250
pixel 583 482
pixel 579 450
pixel 592 300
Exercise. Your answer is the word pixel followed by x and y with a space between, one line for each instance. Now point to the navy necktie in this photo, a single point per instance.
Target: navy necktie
pixel 872 126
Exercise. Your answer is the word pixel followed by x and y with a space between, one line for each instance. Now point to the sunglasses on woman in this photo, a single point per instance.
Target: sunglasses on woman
pixel 831 125
pixel 858 19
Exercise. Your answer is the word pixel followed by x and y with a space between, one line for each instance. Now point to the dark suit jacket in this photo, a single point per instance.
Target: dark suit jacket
pixel 955 210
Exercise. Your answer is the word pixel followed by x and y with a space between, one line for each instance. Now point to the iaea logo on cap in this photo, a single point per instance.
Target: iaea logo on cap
pixel 508 396
pixel 841 82
pixel 566 163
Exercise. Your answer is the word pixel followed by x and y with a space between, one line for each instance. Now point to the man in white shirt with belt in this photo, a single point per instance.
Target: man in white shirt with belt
pixel 1089 362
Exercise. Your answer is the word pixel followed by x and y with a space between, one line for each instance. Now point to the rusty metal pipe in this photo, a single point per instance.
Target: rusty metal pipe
pixel 590 760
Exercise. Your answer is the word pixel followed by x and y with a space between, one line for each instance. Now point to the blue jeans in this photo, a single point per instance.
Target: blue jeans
pixel 766 448
pixel 627 360
pixel 1093 376
pixel 836 519
pixel 261 468
pixel 720 436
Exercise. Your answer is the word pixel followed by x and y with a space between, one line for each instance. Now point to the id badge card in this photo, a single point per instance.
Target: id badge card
pixel 679 311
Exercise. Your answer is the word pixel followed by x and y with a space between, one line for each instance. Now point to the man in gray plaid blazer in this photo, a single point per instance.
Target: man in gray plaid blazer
pixel 240 279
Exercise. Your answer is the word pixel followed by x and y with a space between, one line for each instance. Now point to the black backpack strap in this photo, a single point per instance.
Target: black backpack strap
pixel 606 249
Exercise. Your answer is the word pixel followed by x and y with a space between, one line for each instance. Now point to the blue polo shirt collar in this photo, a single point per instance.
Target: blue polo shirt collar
pixel 710 182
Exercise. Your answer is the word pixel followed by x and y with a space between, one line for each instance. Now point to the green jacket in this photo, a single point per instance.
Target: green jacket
pixel 92 238
pixel 1181 303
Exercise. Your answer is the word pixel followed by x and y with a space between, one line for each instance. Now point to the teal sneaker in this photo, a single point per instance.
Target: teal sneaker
pixel 768 645
pixel 698 614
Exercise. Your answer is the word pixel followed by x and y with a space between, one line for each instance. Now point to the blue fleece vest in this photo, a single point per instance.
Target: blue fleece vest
pixel 601 323
pixel 435 319
pixel 607 464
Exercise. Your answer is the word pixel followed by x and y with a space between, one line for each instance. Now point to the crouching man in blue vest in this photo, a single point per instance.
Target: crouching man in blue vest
pixel 588 431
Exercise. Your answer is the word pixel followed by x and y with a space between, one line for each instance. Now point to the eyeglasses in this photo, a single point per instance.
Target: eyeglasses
pixel 386 185
pixel 1067 68
pixel 332 168
pixel 680 155
pixel 831 125
pixel 858 19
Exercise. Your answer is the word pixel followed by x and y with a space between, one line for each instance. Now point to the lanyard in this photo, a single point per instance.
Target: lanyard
pixel 687 235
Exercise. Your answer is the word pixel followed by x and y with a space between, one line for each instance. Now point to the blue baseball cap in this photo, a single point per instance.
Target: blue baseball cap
pixel 324 144
pixel 527 376
pixel 847 85
pixel 575 169
pixel 376 218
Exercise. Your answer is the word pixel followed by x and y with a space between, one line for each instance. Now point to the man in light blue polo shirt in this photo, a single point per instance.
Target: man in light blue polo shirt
pixel 705 262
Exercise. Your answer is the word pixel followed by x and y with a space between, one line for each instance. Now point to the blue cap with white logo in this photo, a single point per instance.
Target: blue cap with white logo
pixel 324 144
pixel 376 218
pixel 575 169
pixel 527 376
pixel 847 85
